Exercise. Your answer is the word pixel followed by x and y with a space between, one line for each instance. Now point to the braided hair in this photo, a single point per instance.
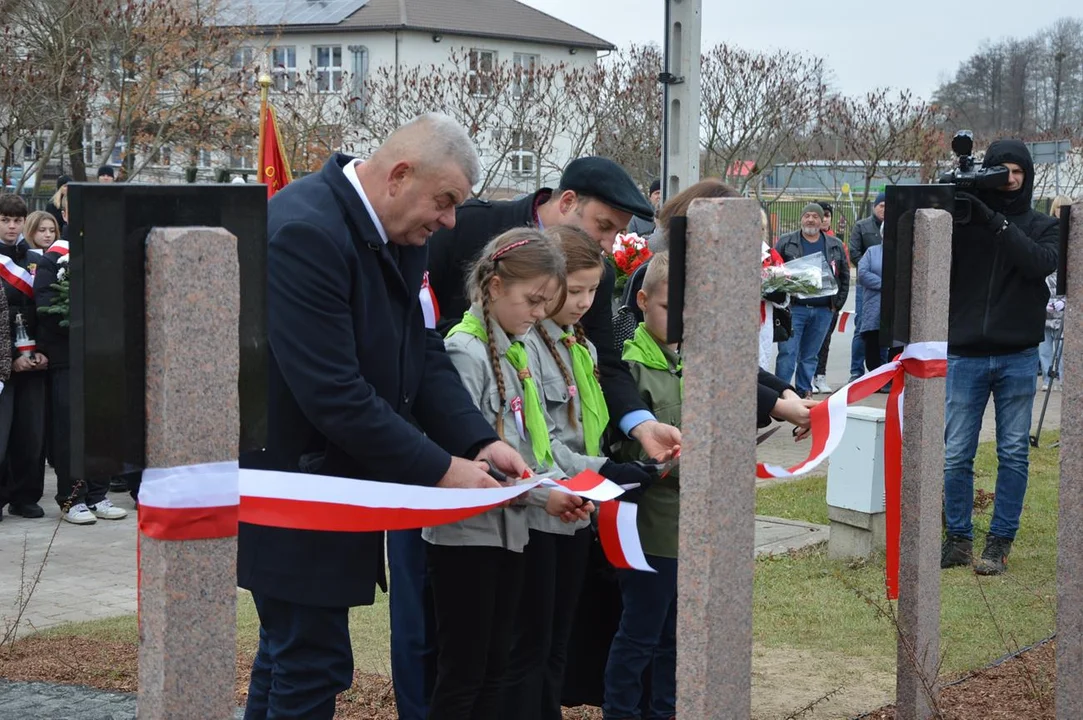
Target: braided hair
pixel 514 256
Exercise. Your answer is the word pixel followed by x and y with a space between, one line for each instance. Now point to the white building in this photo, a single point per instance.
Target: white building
pixel 344 41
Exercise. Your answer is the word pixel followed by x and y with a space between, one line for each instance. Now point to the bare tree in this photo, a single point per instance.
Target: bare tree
pixel 757 109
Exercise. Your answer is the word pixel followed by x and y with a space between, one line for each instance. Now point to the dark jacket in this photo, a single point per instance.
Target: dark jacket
pixel 866 234
pixel 452 252
pixel 20 304
pixel 52 338
pixel 998 290
pixel 352 369
pixel 789 247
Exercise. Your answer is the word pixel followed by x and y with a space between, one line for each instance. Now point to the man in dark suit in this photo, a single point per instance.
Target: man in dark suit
pixel 357 388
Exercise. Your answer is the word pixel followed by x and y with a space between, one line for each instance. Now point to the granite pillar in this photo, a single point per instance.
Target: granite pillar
pixel 187 625
pixel 923 476
pixel 721 322
pixel 1070 520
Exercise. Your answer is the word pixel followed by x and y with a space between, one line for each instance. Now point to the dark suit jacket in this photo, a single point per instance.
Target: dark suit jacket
pixel 453 252
pixel 353 374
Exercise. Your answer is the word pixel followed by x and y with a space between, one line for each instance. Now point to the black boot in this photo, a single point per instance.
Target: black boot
pixel 956 550
pixel 994 558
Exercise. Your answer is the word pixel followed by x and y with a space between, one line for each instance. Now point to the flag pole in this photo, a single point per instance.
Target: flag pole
pixel 264 85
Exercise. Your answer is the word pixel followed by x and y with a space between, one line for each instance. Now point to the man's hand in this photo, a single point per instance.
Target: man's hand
pixel 40 362
pixel 502 457
pixel 22 364
pixel 794 409
pixel 660 441
pixel 569 508
pixel 980 213
pixel 467 474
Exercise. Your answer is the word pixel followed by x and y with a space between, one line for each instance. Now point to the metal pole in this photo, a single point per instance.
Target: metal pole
pixel 681 96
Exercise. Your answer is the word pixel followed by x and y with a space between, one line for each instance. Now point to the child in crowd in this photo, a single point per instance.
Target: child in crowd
pixel 40 231
pixel 476 566
pixel 647 636
pixel 564 363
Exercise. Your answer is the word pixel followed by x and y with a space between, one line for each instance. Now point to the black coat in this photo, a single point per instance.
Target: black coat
pixel 19 304
pixel 52 338
pixel 353 375
pixel 453 252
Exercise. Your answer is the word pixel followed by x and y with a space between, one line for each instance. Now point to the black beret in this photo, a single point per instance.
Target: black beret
pixel 607 181
pixel 106 170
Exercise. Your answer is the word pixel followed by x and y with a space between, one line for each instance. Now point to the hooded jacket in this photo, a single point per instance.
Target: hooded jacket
pixel 998 290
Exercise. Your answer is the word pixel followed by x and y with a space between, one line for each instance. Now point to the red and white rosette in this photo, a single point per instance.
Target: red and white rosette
pixel 430 309
pixel 923 360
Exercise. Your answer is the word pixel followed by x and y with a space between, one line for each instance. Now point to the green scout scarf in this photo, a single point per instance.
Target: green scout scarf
pixel 591 400
pixel 646 351
pixel 533 417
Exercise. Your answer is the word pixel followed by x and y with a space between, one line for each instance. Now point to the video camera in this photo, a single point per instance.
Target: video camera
pixel 969 178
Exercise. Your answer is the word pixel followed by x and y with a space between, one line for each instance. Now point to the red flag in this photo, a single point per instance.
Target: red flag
pixel 274 169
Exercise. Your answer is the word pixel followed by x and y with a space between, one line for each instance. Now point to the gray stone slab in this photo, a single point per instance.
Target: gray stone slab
pixel 188 588
pixel 714 634
pixel 777 536
pixel 51 701
pixel 923 477
pixel 1070 521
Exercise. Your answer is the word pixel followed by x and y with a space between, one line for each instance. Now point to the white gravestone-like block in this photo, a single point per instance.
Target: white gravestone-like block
pixel 855 486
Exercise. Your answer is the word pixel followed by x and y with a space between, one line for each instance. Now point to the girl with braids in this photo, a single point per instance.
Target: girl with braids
pixel 564 363
pixel 476 565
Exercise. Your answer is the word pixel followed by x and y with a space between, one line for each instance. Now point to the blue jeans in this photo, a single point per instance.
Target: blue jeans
pixel 413 627
pixel 810 325
pixel 303 662
pixel 1012 381
pixel 647 637
pixel 857 345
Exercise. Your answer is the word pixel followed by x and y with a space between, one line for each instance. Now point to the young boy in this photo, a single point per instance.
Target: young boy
pixel 647 635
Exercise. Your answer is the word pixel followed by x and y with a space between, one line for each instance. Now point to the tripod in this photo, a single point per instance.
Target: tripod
pixel 1054 375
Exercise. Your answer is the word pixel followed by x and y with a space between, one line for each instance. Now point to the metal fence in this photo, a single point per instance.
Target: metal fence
pixel 785 215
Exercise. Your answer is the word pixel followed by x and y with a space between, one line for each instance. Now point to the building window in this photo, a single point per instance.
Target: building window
pixel 284 68
pixel 242 157
pixel 163 156
pixel 203 158
pixel 522 156
pixel 328 68
pixel 359 70
pixel 524 66
pixel 482 63
pixel 241 63
pixel 117 156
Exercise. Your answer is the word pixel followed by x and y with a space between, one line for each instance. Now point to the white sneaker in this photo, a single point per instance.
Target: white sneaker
pixel 106 510
pixel 80 515
pixel 1045 386
pixel 819 384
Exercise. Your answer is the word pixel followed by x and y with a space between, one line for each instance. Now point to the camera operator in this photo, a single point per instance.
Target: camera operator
pixel 999 262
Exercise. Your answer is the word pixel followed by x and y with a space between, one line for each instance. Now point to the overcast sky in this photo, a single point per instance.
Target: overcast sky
pixel 865 43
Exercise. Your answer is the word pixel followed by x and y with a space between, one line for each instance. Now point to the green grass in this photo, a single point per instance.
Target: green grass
pixel 811 602
pixel 808 602
pixel 369 631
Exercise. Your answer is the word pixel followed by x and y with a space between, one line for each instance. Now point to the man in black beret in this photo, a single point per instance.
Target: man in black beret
pixel 598 196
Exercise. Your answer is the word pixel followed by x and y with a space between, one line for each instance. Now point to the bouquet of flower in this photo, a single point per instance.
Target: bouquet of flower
pixel 805 278
pixel 629 252
pixel 62 302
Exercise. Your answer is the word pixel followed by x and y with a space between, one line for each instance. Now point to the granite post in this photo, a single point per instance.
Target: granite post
pixel 1069 700
pixel 923 477
pixel 717 537
pixel 188 595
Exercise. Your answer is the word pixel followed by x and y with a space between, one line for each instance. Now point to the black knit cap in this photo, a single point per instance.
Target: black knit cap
pixel 607 181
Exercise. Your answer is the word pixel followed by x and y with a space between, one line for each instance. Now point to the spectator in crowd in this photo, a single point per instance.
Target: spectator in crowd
pixel 810 318
pixel 41 231
pixel 53 206
pixel 996 316
pixel 867 232
pixel 22 401
pixel 1054 316
pixel 642 226
pixel 106 174
pixel 819 380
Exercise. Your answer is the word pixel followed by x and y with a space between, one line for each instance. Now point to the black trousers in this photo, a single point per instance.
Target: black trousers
pixel 68 489
pixel 553 580
pixel 476 594
pixel 22 438
pixel 874 354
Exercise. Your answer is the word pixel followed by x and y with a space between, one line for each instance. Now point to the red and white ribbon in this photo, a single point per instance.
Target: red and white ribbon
pixel 18 277
pixel 60 247
pixel 192 502
pixel 828 419
pixel 619 533
pixel 430 309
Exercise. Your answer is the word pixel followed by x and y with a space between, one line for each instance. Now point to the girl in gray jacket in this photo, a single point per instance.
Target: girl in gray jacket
pixel 476 565
pixel 564 363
